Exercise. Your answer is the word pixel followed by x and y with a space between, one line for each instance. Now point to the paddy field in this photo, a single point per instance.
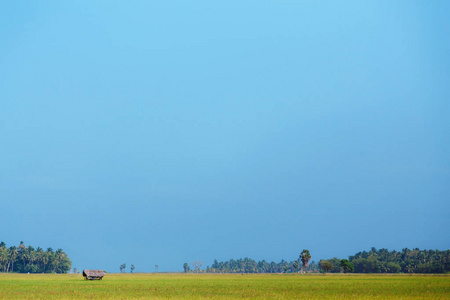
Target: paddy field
pixel 225 286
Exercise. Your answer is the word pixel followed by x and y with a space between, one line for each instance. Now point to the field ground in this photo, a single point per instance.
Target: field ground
pixel 216 286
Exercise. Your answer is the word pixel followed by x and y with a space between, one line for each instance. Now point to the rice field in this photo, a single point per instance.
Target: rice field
pixel 229 286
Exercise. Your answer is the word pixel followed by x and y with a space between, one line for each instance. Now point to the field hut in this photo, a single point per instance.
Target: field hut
pixel 93 274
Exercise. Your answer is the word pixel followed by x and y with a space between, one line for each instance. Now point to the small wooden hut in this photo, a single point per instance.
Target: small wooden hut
pixel 93 274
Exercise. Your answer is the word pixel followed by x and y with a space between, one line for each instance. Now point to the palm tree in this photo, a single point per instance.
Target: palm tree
pixel 186 267
pixel 12 255
pixel 22 254
pixel 45 259
pixel 3 257
pixel 59 255
pixel 305 257
pixel 39 257
pixel 122 267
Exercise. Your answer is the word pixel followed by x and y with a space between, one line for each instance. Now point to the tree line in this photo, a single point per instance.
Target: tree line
pixel 23 259
pixel 373 261
pixel 405 261
pixel 248 265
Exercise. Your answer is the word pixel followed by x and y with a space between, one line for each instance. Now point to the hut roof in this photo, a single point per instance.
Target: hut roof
pixel 93 273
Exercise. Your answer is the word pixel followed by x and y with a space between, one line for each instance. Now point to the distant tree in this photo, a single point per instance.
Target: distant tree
pixel 197 266
pixel 313 267
pixel 296 265
pixel 131 268
pixel 364 265
pixel 393 267
pixel 305 257
pixel 326 265
pixel 45 259
pixel 186 268
pixel 4 258
pixel 61 263
pixel 22 256
pixel 336 265
pixel 12 255
pixel 75 270
pixel 122 268
pixel 347 266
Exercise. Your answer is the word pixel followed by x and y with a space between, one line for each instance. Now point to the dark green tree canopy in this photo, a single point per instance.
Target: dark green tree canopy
pixel 23 259
pixel 347 266
pixel 406 261
pixel 248 265
pixel 187 268
pixel 326 265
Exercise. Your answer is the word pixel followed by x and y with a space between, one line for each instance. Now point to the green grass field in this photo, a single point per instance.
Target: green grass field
pixel 215 286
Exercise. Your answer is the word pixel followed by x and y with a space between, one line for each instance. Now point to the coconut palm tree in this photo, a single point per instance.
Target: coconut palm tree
pixel 45 259
pixel 12 256
pixel 3 257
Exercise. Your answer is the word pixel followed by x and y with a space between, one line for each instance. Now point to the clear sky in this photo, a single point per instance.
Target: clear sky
pixel 164 132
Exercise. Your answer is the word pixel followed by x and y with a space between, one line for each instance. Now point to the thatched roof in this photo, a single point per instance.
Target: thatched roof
pixel 93 273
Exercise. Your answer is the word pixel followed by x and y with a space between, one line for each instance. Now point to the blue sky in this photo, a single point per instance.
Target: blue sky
pixel 174 131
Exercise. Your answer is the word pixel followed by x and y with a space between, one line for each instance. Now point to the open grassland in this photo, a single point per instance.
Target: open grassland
pixel 215 286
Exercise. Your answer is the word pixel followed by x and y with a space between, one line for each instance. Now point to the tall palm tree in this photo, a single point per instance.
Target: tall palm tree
pixel 122 267
pixel 3 257
pixel 45 259
pixel 12 255
pixel 305 257
pixel 39 256
pixel 59 255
